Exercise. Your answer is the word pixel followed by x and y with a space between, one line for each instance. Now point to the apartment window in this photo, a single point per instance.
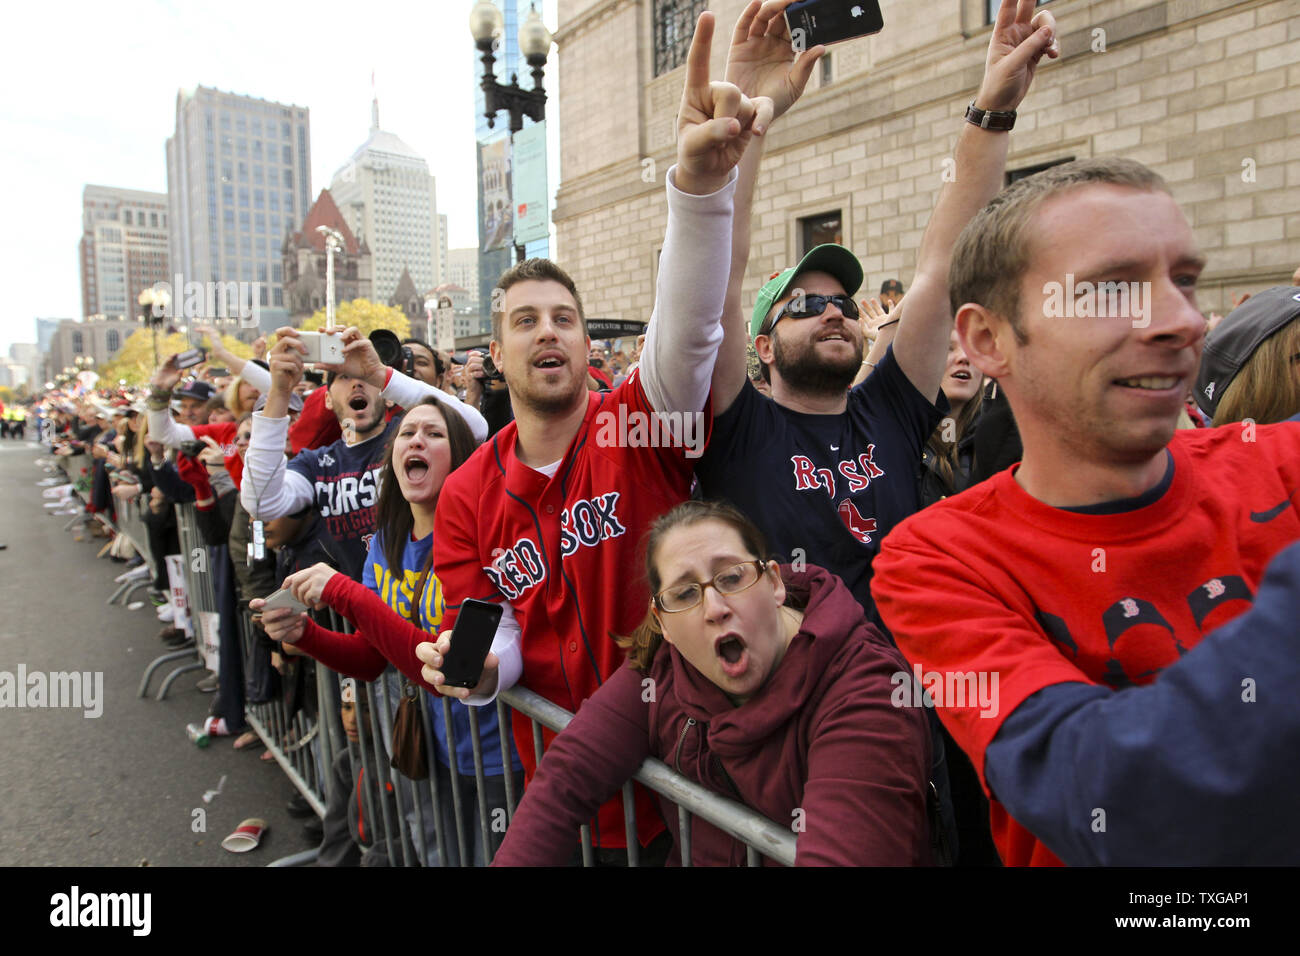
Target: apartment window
pixel 288 179
pixel 112 340
pixel 674 24
pixel 243 172
pixel 286 155
pixel 257 175
pixel 815 230
pixel 228 195
pixel 828 69
pixel 126 216
pixel 243 196
pixel 153 220
pixel 76 342
pixel 1016 174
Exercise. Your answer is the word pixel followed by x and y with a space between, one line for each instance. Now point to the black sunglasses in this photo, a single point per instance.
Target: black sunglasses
pixel 810 306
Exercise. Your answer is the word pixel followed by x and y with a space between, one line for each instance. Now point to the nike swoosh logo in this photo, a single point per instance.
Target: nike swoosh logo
pixel 1262 517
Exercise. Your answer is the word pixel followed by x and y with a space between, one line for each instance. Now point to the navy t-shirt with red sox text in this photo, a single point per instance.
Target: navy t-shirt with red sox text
pixel 825 489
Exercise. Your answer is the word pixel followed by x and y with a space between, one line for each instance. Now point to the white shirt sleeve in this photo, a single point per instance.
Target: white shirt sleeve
pixel 166 430
pixel 404 391
pixel 269 490
pixel 506 645
pixel 256 376
pixel 685 330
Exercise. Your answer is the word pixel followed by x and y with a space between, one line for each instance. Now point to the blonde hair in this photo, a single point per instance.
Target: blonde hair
pixel 232 397
pixel 1267 389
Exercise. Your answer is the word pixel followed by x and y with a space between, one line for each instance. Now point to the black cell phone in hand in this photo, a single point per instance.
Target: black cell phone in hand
pixel 471 639
pixel 814 22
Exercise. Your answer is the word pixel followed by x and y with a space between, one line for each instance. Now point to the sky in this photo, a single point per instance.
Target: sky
pixel 90 97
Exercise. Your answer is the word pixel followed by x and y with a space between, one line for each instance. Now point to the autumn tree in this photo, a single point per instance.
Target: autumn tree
pixel 134 364
pixel 366 316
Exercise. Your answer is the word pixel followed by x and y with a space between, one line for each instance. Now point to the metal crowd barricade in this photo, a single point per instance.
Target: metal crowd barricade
pixel 413 839
pixel 199 596
pixel 130 524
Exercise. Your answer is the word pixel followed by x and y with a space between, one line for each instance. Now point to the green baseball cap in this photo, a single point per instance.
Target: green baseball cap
pixel 829 258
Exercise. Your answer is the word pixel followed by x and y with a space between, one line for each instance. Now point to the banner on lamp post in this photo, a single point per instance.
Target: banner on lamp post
pixel 530 193
pixel 446 324
pixel 494 175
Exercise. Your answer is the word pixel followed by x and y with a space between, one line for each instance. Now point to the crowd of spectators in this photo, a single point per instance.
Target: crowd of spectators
pixel 943 574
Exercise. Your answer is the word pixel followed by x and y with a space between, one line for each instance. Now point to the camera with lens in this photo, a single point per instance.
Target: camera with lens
pixel 490 371
pixel 392 352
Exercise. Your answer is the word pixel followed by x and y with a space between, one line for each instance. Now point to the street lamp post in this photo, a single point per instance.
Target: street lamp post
pixel 486 25
pixel 333 243
pixel 154 304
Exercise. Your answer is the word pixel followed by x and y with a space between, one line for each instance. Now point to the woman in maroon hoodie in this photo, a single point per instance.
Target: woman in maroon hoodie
pixel 762 684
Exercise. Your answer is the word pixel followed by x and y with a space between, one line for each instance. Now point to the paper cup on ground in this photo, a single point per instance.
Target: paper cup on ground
pixel 246 836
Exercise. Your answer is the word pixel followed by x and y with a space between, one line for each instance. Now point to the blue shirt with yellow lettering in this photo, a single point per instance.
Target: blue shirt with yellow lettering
pixel 396 587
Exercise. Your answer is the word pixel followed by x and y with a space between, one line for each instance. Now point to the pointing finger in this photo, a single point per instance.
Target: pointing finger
pixel 697 60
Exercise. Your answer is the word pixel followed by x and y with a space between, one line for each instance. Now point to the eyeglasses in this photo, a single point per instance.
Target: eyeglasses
pixel 810 306
pixel 732 580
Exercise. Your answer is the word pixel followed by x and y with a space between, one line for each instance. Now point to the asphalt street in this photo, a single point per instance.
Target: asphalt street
pixel 119 789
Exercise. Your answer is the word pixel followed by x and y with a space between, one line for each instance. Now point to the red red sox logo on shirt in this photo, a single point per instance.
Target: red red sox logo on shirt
pixel 585 523
pixel 859 474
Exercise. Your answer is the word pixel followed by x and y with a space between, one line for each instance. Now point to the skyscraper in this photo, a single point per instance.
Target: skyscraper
pixel 390 201
pixel 124 248
pixel 238 182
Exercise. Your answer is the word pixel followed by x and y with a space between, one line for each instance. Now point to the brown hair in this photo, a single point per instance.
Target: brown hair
pixel 644 642
pixel 945 453
pixel 539 269
pixel 393 514
pixel 992 253
pixel 1267 389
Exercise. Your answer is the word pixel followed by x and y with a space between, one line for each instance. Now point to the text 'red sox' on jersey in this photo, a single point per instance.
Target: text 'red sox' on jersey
pixel 565 552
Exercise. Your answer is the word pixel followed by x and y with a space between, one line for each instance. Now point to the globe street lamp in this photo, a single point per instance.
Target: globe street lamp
pixel 486 25
pixel 154 305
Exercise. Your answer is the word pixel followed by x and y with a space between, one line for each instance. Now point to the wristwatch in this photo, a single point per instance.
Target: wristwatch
pixel 997 120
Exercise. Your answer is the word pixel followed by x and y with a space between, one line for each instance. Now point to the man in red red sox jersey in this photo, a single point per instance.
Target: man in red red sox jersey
pixel 548 515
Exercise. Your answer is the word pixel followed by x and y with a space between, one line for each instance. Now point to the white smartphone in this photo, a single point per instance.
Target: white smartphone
pixel 323 347
pixel 284 598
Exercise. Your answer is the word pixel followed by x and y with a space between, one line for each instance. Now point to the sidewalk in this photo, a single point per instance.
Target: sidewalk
pixel 123 787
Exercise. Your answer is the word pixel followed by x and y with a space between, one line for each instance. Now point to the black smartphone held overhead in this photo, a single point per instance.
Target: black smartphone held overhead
pixel 471 639
pixel 814 22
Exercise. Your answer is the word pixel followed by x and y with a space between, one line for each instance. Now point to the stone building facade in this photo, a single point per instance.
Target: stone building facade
pixel 1207 92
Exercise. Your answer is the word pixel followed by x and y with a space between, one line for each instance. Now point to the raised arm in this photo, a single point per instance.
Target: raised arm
pixel 269 490
pixel 761 62
pixel 714 126
pixel 1020 38
pixel 253 374
pixel 162 427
